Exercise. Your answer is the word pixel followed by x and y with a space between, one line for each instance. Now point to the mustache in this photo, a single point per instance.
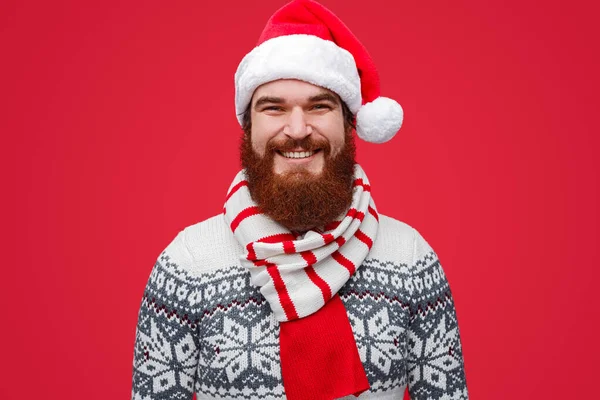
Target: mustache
pixel 307 144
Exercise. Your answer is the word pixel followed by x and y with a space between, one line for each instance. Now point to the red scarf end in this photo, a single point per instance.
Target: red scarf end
pixel 319 357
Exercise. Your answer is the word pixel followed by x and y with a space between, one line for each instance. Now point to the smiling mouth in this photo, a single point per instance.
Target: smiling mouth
pixel 298 154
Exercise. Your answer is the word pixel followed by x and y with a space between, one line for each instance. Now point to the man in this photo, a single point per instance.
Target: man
pixel 300 289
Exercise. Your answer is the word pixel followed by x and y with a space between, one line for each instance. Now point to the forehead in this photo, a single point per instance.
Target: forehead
pixel 290 90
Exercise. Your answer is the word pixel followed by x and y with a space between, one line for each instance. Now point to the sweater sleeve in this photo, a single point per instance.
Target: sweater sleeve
pixel 166 346
pixel 435 365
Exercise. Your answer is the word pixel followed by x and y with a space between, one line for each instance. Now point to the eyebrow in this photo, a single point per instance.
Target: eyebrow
pixel 268 99
pixel 313 99
pixel 325 96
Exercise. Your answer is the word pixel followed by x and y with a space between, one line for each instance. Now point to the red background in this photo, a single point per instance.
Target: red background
pixel 118 130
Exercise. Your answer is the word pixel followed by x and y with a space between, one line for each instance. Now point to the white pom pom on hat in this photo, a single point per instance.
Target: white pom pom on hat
pixel 379 120
pixel 304 40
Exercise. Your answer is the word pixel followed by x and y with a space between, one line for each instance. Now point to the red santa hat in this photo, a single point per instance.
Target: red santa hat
pixel 303 40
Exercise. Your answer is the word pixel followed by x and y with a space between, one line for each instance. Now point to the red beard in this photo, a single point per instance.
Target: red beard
pixel 299 199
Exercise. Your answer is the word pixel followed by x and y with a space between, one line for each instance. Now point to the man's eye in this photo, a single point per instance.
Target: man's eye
pixel 272 108
pixel 321 107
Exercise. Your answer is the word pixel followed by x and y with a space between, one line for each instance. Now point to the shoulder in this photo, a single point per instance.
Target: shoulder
pixel 204 246
pixel 407 250
pixel 399 242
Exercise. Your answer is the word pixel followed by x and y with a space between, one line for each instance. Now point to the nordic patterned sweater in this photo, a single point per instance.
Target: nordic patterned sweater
pixel 204 328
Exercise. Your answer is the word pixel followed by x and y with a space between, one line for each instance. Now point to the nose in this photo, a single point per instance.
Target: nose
pixel 297 127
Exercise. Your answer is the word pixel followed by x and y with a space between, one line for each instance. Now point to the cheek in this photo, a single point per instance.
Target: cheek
pixel 333 130
pixel 258 144
pixel 263 130
pixel 337 146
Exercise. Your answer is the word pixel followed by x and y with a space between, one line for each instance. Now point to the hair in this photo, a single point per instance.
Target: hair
pixel 349 119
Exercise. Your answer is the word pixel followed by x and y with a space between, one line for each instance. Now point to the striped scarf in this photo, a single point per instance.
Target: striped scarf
pixel 299 276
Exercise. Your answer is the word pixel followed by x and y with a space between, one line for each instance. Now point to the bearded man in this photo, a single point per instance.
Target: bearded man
pixel 300 289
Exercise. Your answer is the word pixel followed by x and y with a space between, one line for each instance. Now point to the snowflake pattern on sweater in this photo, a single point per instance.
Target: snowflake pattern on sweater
pixel 203 328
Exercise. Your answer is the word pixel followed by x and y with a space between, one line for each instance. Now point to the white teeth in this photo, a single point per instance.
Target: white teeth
pixel 297 154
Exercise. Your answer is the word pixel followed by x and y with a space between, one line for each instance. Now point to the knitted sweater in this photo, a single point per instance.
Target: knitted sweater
pixel 203 328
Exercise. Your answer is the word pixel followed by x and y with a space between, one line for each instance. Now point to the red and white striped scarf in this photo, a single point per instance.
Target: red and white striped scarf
pixel 300 276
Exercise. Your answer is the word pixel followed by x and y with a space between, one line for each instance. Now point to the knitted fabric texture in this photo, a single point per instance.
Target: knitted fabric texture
pixel 204 328
pixel 298 275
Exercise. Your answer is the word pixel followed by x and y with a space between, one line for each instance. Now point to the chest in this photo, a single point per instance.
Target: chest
pixel 239 337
